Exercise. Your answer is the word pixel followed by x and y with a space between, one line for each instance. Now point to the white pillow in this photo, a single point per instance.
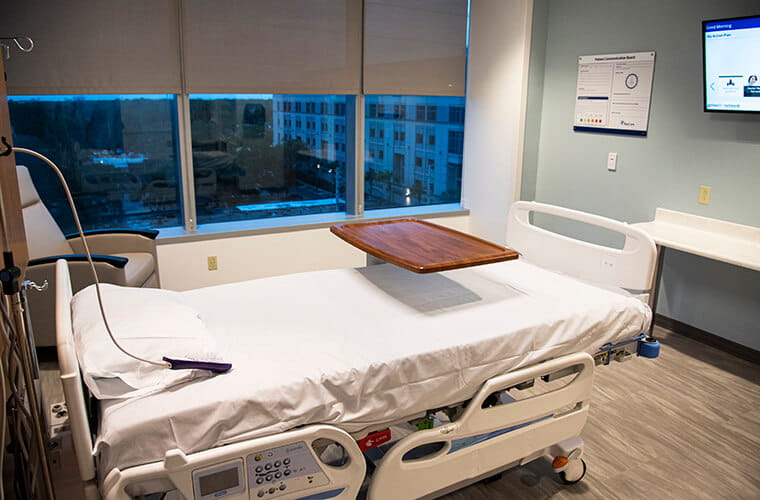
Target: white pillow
pixel 147 322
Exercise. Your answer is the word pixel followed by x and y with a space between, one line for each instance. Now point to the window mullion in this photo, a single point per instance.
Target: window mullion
pixel 355 157
pixel 186 164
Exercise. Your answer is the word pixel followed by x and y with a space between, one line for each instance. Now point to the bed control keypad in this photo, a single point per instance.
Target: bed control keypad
pixel 282 470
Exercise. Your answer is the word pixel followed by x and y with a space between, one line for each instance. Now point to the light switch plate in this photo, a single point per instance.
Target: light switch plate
pixel 612 162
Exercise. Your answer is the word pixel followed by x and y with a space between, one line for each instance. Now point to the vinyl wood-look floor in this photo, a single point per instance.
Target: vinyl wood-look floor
pixel 683 426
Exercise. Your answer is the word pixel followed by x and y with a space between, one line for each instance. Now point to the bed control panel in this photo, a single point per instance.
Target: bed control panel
pixel 282 470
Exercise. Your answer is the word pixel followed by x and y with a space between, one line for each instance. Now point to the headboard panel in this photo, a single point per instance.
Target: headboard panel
pixel 631 268
pixel 71 378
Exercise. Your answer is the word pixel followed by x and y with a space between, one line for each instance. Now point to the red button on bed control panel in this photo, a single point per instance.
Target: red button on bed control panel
pixel 374 439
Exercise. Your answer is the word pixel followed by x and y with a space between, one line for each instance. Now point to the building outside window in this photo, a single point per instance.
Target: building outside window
pixel 254 155
pixel 118 154
pixel 248 174
pixel 390 182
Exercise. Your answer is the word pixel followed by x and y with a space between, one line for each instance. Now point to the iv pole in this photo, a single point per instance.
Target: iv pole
pixel 18 365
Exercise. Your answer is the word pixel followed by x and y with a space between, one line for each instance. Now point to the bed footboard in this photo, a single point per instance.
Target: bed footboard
pixel 485 439
pixel 284 466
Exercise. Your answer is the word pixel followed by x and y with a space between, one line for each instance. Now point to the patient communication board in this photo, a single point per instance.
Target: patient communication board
pixel 613 93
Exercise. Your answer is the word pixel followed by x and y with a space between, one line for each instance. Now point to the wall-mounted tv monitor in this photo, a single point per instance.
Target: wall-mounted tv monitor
pixel 731 55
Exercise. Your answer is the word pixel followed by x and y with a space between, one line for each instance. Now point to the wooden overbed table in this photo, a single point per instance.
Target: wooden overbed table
pixel 421 246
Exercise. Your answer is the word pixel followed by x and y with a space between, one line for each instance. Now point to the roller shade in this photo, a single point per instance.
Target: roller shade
pixel 272 46
pixel 99 47
pixel 415 47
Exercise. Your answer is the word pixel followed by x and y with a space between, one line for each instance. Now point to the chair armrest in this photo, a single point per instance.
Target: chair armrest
pixel 148 233
pixel 117 262
pixel 110 269
pixel 109 242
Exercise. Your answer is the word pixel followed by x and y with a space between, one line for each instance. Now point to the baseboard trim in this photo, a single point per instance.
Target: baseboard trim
pixel 725 345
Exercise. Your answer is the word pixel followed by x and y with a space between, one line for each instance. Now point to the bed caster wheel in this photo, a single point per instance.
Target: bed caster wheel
pixel 574 472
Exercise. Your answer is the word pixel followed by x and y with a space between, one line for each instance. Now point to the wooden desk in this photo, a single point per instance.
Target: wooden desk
pixel 711 238
pixel 421 246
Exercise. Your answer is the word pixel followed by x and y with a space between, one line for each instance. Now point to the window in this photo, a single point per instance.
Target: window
pixel 251 156
pixel 456 142
pixel 242 172
pixel 456 114
pixel 393 180
pixel 117 152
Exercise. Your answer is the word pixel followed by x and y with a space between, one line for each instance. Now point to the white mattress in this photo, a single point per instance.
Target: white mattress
pixel 353 347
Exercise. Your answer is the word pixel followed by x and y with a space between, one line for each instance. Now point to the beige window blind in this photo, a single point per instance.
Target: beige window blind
pixel 100 47
pixel 415 47
pixel 272 46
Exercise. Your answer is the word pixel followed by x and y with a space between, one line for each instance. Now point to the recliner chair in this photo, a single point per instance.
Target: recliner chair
pixel 124 257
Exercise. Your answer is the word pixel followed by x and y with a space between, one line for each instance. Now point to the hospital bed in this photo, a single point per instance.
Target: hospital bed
pixel 456 375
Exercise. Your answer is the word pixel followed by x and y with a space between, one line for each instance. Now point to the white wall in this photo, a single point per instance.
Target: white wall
pixel 497 81
pixel 183 266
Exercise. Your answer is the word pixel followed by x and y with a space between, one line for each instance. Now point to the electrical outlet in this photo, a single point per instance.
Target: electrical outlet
pixel 59 414
pixel 704 195
pixel 213 263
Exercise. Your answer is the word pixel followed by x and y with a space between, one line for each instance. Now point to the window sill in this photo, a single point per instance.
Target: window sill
pixel 237 229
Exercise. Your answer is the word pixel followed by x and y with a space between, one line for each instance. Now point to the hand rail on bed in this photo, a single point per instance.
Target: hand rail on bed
pixel 631 268
pixel 70 375
pixel 504 435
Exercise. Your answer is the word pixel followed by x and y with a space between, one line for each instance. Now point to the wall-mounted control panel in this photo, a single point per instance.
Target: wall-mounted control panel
pixel 270 473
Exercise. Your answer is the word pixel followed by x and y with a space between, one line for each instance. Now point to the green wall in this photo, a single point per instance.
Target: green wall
pixel 685 147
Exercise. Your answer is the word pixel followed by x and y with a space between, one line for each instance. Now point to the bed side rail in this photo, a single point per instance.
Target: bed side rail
pixel 487 439
pixel 71 378
pixel 631 268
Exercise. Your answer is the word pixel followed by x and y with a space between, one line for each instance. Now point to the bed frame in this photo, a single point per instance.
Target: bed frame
pixel 486 434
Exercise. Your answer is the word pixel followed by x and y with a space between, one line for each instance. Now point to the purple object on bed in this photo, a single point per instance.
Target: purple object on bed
pixel 191 364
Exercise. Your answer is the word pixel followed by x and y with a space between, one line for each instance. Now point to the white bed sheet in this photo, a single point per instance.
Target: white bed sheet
pixel 353 347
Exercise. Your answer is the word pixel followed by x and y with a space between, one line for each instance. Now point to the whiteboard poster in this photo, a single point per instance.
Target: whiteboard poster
pixel 613 93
